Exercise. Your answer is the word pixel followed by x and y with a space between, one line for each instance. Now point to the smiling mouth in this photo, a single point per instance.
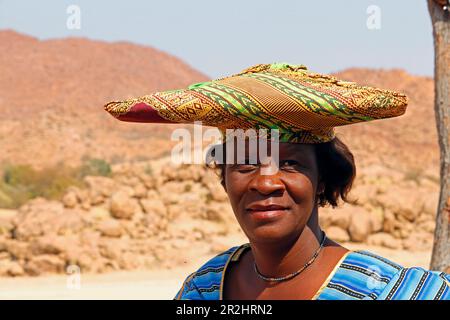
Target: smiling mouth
pixel 272 207
pixel 266 212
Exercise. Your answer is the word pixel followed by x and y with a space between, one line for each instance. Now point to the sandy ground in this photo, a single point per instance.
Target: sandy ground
pixel 152 284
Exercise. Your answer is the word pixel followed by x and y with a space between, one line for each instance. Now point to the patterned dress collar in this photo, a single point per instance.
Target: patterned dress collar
pixel 235 256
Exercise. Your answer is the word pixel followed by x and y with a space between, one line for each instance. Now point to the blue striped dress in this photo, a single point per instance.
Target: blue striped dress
pixel 359 275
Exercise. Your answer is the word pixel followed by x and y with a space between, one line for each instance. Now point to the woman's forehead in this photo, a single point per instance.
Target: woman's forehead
pixel 282 148
pixel 298 148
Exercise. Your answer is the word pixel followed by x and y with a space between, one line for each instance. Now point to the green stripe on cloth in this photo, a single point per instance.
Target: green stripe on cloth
pixel 329 104
pixel 245 106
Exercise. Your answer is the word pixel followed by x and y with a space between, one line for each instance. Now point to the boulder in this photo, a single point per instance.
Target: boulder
pixel 337 234
pixel 70 199
pixel 110 228
pixel 44 264
pixel 184 172
pixel 6 227
pixel 11 268
pixel 112 250
pixel 140 191
pixel 217 192
pixel 40 217
pixel 170 191
pixel 185 227
pixel 377 218
pixel 360 225
pixel 100 187
pixel 402 202
pixel 83 199
pixel 153 224
pixel 428 226
pixel 153 195
pixel 148 181
pixel 52 244
pixel 18 249
pixel 418 241
pixel 390 223
pixel 122 206
pixel 154 206
pixel 383 239
pixel 99 213
pixel 339 217
pixel 363 194
pixel 128 261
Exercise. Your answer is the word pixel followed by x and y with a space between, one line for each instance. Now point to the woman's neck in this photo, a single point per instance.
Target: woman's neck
pixel 281 259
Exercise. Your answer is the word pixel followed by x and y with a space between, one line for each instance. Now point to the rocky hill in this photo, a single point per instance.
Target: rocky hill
pixel 52 95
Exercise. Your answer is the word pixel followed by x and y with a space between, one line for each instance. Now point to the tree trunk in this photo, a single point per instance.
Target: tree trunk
pixel 440 19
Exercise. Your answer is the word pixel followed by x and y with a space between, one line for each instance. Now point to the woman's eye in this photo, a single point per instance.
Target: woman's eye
pixel 247 166
pixel 284 164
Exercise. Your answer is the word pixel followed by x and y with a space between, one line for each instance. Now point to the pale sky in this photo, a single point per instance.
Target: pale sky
pixel 222 37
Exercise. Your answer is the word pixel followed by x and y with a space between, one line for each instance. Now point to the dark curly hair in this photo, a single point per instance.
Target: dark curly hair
pixel 336 167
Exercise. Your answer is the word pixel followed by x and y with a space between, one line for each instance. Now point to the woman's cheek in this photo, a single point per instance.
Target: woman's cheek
pixel 300 189
pixel 235 189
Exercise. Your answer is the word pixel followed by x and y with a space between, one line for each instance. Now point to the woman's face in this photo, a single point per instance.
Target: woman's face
pixel 274 206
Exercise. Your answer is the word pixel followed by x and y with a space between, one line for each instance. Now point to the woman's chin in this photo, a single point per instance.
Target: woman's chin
pixel 268 234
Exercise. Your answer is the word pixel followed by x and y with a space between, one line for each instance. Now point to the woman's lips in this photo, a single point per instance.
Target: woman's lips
pixel 269 212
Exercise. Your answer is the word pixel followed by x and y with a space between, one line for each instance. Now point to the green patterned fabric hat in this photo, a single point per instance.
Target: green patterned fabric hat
pixel 304 106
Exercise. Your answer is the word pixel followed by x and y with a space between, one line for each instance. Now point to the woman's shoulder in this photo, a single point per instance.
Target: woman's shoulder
pixel 360 275
pixel 365 275
pixel 206 282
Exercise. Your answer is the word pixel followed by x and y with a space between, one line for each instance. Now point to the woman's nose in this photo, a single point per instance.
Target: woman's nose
pixel 266 184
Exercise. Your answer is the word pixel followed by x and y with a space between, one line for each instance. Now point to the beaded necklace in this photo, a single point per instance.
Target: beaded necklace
pixel 290 276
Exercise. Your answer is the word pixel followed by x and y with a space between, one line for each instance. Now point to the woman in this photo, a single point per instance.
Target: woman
pixel 276 198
